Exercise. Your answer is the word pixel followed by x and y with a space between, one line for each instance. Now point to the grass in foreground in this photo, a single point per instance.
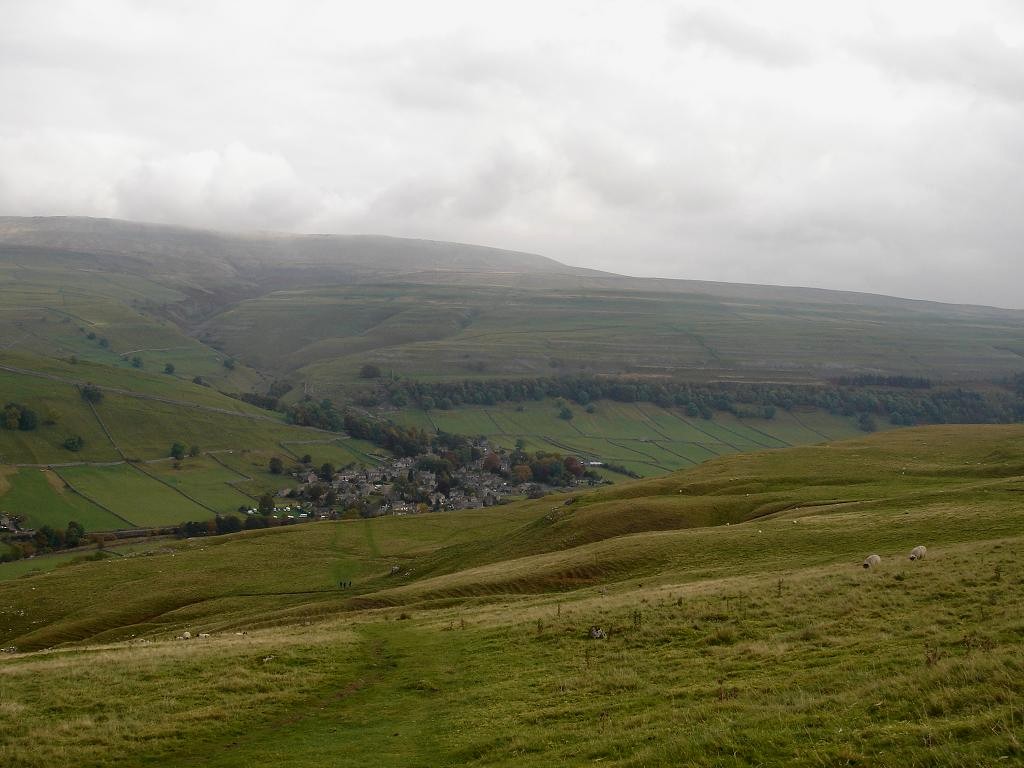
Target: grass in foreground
pixel 761 642
pixel 912 665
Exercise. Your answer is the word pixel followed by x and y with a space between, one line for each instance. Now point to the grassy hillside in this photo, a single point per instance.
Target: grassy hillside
pixel 63 306
pixel 141 415
pixel 323 335
pixel 762 641
pixel 315 308
pixel 642 437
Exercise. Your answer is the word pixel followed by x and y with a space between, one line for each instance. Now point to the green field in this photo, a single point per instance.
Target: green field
pixel 758 642
pixel 126 496
pixel 642 437
pixel 340 453
pixel 206 481
pixel 73 417
pixel 157 493
pixel 41 496
pixel 142 383
pixel 134 496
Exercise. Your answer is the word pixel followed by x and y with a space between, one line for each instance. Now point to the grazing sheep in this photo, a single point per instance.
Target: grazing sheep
pixel 918 553
pixel 872 561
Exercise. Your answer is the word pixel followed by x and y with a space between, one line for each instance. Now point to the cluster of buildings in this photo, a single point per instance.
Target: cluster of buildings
pixel 11 527
pixel 399 487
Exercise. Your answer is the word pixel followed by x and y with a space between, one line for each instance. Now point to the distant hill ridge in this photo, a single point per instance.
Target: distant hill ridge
pixel 132 246
pixel 313 309
pixel 179 255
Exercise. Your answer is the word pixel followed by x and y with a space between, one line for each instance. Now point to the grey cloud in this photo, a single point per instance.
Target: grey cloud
pixel 502 180
pixel 974 60
pixel 451 72
pixel 613 169
pixel 235 188
pixel 724 31
pixel 507 176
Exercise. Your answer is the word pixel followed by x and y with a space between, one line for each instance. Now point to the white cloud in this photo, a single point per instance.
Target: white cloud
pixel 236 188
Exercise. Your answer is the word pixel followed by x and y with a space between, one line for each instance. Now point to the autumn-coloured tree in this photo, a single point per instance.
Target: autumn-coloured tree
pixel 574 466
pixel 492 463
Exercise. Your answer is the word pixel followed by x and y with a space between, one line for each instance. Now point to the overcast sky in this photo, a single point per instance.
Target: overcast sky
pixel 874 146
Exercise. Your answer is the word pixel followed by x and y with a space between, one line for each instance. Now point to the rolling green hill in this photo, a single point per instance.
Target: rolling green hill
pixel 122 477
pixel 740 626
pixel 324 335
pixel 315 308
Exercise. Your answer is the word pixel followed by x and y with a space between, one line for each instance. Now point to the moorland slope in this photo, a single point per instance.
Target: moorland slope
pixel 740 626
pixel 316 308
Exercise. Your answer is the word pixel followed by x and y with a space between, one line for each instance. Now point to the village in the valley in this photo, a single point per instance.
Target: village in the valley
pixel 475 476
pixel 428 483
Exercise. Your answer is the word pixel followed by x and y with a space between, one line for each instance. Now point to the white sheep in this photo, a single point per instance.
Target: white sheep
pixel 872 561
pixel 918 552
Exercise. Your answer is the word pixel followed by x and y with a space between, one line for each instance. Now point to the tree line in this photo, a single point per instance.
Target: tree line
pixel 45 539
pixel 402 441
pixel 901 400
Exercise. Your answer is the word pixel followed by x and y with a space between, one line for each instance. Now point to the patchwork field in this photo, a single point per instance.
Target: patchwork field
pixel 761 641
pixel 642 437
pixel 133 496
pixel 141 415
pixel 43 494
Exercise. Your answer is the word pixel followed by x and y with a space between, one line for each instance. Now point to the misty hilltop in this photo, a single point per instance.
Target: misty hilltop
pixel 213 260
pixel 181 253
